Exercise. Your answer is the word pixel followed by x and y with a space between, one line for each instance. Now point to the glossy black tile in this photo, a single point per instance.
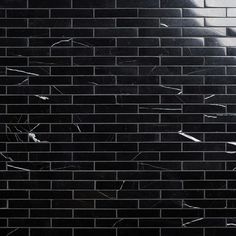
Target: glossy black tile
pixel 117 117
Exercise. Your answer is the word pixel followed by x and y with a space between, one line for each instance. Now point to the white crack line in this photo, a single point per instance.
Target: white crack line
pixel 136 156
pixel 180 90
pixel 19 168
pixel 104 195
pixel 22 71
pixel 231 224
pixel 164 25
pixel 232 143
pixel 122 185
pixel 219 105
pixel 82 44
pixel 93 83
pixel 189 206
pixel 213 117
pixel 189 137
pixel 34 127
pixel 14 230
pixel 213 95
pixel 68 40
pixel 190 222
pixel 77 126
pixel 155 167
pixel 7 158
pixel 164 109
pixel 25 80
pixel 118 221
pixel 57 89
pixel 42 97
pixel 61 41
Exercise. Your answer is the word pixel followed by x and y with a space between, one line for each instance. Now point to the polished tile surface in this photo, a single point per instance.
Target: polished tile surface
pixel 117 117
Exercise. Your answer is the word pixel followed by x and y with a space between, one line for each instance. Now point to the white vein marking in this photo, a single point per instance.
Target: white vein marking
pixel 118 221
pixel 104 194
pixel 155 167
pixel 232 143
pixel 231 224
pixel 189 137
pixel 93 83
pixel 61 41
pixel 7 158
pixel 207 116
pixel 82 44
pixel 25 80
pixel 219 105
pixel 33 136
pixel 77 126
pixel 213 95
pixel 190 222
pixel 165 109
pixel 19 168
pixel 12 231
pixel 18 129
pixel 42 97
pixel 177 89
pixel 122 185
pixel 34 127
pixel 185 204
pixel 22 71
pixel 57 89
pixel 136 156
pixel 164 25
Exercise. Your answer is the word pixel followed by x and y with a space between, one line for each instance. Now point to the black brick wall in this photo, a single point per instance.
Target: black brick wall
pixel 117 117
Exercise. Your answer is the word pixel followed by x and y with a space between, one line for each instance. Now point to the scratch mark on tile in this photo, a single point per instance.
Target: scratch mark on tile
pixel 57 89
pixel 122 185
pixel 118 221
pixel 190 222
pixel 22 71
pixel 77 126
pixel 164 25
pixel 231 224
pixel 189 206
pixel 154 167
pixel 61 41
pixel 232 143
pixel 18 168
pixel 177 89
pixel 23 82
pixel 164 109
pixel 136 156
pixel 219 105
pixel 93 83
pixel 213 117
pixel 189 137
pixel 42 97
pixel 7 158
pixel 34 127
pixel 213 95
pixel 104 195
pixel 13 231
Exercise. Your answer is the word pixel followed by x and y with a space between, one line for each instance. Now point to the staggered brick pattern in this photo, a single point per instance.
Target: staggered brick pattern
pixel 118 117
